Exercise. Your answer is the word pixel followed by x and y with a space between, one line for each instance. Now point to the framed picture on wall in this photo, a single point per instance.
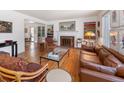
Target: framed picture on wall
pixel 5 27
pixel 115 16
pixel 67 26
pixel 114 40
pixel 122 18
pixel 121 42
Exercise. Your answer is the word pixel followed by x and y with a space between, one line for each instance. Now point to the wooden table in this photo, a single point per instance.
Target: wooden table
pixel 14 47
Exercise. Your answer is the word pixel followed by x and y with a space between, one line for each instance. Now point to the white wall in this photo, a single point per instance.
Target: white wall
pixel 79 28
pixel 18 28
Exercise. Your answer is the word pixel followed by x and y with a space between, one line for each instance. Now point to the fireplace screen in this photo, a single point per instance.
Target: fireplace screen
pixel 67 41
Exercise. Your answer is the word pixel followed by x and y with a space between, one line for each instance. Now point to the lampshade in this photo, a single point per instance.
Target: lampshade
pixel 113 33
pixel 89 34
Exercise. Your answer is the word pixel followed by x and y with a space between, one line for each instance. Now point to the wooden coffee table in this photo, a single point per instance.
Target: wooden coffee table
pixel 62 52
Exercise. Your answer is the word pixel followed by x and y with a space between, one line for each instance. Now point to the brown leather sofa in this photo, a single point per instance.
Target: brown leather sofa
pixel 88 48
pixel 102 65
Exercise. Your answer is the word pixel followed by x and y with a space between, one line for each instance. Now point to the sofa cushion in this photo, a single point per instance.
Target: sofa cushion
pixel 112 61
pixel 103 54
pixel 99 68
pixel 93 59
pixel 88 53
pixel 120 71
pixel 88 48
pixel 87 75
pixel 31 67
pixel 108 70
pixel 90 65
pixel 12 63
pixel 97 49
pixel 18 64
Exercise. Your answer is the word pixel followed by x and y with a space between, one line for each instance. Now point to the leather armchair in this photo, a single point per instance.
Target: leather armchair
pixel 49 43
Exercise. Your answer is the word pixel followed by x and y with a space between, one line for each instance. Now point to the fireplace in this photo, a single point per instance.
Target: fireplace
pixel 67 41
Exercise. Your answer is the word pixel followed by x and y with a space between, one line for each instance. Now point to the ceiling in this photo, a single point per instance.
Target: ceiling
pixel 49 15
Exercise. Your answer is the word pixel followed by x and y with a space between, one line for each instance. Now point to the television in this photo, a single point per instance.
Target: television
pixel 5 27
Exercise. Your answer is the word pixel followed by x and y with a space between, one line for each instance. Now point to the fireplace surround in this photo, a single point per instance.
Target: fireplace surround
pixel 67 41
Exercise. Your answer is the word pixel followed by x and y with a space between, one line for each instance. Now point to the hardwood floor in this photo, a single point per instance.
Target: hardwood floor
pixel 71 64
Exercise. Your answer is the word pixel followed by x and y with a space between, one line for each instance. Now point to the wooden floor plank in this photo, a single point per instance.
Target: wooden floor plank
pixel 71 64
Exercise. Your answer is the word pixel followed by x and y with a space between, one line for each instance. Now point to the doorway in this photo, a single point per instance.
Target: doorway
pixel 34 34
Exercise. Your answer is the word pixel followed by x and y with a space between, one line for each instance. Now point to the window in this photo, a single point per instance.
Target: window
pixel 106 29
